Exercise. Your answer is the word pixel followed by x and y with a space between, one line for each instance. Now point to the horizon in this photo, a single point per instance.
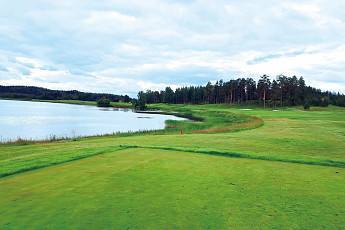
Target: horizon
pixel 174 89
pixel 126 47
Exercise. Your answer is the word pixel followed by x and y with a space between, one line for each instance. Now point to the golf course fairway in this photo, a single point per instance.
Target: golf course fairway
pixel 284 169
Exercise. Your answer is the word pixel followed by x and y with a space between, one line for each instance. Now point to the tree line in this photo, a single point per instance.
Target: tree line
pixel 281 91
pixel 33 92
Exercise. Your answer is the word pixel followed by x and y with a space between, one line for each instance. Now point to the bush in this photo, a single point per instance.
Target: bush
pixel 306 105
pixel 139 104
pixel 103 102
pixel 126 98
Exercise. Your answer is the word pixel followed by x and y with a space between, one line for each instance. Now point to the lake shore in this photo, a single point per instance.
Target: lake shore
pixel 74 122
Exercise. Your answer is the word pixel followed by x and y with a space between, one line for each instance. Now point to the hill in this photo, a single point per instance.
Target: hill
pixel 33 92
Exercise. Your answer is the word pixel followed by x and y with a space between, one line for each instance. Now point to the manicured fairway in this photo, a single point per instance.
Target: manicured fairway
pixel 270 177
pixel 139 188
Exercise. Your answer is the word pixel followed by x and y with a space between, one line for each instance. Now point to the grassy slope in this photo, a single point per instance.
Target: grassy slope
pixel 148 187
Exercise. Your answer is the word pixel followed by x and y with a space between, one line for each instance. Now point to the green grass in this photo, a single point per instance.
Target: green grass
pixel 26 161
pixel 213 120
pixel 155 189
pixel 288 173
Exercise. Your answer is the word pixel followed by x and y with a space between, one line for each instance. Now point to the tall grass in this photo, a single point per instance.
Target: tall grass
pixel 52 138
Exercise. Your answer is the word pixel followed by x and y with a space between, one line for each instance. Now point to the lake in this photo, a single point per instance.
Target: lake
pixel 42 120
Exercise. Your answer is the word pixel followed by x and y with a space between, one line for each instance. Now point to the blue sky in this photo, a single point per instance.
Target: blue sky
pixel 122 47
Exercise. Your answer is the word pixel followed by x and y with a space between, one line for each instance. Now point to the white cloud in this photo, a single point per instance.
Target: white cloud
pixel 144 85
pixel 107 22
pixel 31 62
pixel 314 12
pixel 126 46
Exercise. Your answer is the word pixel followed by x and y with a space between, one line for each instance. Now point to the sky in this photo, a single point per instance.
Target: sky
pixel 123 47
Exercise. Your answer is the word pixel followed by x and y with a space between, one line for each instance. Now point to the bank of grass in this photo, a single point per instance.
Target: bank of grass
pixel 266 177
pixel 207 120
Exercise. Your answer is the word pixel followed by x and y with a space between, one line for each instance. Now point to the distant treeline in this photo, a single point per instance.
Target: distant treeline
pixel 32 92
pixel 282 91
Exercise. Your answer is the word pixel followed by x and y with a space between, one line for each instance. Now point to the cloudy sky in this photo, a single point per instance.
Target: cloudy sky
pixel 122 47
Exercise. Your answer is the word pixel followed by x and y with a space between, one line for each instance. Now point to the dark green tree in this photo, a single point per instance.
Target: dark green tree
pixel 281 79
pixel 168 95
pixel 209 92
pixel 104 102
pixel 275 93
pixel 263 86
pixel 126 98
pixel 306 105
pixel 139 104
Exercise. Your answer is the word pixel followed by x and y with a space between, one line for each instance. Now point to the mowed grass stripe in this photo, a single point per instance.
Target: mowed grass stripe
pixel 158 189
pixel 300 160
pixel 41 160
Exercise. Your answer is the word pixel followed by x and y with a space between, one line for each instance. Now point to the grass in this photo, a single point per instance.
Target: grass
pixel 274 176
pixel 154 189
pixel 212 120
pixel 18 163
pixel 309 161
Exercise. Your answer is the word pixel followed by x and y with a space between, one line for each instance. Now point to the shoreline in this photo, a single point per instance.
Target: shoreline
pixel 74 102
pixel 119 105
pixel 199 121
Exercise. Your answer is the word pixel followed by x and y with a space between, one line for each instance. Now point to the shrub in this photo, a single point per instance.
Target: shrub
pixel 126 98
pixel 139 104
pixel 306 105
pixel 103 102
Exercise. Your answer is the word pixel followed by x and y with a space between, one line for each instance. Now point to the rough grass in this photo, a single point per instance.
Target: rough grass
pixel 209 120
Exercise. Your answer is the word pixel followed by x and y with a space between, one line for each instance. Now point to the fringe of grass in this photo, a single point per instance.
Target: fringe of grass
pixel 255 123
pixel 20 141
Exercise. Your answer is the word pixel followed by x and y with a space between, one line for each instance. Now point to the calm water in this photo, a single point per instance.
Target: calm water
pixel 40 120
